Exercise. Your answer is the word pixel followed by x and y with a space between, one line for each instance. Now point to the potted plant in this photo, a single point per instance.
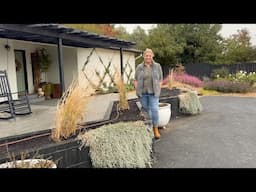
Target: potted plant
pixel 44 60
pixel 164 114
pixel 29 163
pixel 34 162
pixel 41 62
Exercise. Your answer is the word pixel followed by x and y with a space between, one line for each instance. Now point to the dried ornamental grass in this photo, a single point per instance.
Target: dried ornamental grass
pixel 70 111
pixel 189 103
pixel 170 79
pixel 123 102
pixel 120 145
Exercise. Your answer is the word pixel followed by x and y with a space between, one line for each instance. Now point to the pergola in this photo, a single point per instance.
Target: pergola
pixel 61 35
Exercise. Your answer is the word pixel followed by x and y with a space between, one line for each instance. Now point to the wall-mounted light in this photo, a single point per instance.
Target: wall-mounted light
pixel 7 47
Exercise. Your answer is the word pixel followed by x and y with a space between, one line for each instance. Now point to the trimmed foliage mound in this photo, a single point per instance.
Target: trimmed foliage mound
pixel 120 145
pixel 189 103
pixel 227 86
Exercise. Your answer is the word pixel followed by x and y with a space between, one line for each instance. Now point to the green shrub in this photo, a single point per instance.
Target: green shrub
pixel 119 145
pixel 129 87
pixel 222 72
pixel 226 86
pixel 48 90
pixel 243 76
pixel 189 103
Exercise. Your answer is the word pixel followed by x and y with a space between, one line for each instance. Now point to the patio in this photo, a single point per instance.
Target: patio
pixel 42 118
pixel 43 115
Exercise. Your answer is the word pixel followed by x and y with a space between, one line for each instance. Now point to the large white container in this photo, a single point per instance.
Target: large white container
pixel 164 114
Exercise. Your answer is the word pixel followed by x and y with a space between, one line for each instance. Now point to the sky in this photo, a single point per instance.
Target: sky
pixel 226 31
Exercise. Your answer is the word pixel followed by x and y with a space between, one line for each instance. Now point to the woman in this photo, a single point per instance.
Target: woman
pixel 148 80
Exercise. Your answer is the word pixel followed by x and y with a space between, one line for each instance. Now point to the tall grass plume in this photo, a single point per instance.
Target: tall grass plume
pixel 70 110
pixel 123 102
pixel 170 79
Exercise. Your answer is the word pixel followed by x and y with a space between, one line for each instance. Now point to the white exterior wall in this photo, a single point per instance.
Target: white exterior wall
pixel 28 47
pixel 69 63
pixel 73 61
pixel 7 63
pixel 106 55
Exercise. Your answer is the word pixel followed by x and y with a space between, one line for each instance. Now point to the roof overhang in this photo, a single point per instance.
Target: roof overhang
pixel 50 33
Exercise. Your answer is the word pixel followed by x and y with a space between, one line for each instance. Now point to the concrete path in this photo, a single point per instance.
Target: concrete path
pixel 223 136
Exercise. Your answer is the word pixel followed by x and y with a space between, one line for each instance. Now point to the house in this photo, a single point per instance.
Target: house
pixel 70 51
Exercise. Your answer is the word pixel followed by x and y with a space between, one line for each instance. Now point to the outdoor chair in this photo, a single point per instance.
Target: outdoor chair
pixel 9 107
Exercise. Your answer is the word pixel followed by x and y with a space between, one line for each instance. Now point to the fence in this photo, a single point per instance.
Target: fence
pixel 205 69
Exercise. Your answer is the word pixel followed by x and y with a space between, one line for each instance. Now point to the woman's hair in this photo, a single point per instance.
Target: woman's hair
pixel 148 50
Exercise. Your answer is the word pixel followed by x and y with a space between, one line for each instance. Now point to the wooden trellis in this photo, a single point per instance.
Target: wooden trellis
pixel 101 77
pixel 128 70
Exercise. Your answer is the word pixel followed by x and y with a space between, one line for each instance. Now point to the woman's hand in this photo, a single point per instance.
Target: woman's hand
pixel 160 84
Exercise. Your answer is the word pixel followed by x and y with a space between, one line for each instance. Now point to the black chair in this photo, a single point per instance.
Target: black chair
pixel 8 105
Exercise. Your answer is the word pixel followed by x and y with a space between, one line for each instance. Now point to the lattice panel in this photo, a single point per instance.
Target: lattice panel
pixel 128 70
pixel 101 77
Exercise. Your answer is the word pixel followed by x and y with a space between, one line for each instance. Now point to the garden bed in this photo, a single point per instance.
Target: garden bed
pixel 67 152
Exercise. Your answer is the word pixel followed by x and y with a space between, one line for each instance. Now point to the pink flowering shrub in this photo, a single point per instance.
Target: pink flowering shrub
pixel 186 79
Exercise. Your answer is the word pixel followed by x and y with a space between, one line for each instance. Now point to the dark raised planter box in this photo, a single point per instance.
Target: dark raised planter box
pixel 66 153
pixel 171 96
pixel 174 101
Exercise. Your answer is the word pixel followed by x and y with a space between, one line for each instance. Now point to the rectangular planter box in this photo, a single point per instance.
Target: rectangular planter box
pixel 66 153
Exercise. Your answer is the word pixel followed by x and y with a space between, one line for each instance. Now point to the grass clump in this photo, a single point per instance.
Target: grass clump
pixel 119 145
pixel 70 111
pixel 189 103
pixel 123 102
pixel 170 79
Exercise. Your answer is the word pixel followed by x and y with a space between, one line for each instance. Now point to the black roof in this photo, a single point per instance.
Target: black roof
pixel 49 33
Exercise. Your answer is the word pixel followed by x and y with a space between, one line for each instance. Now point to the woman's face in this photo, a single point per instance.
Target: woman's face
pixel 148 57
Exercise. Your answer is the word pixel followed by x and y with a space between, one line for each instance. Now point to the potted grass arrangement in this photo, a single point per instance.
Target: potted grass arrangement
pixel 25 162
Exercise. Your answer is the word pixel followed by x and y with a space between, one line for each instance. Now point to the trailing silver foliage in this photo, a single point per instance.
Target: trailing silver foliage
pixel 189 103
pixel 119 145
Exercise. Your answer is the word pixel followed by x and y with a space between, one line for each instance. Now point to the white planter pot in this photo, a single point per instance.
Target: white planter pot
pixel 29 163
pixel 164 114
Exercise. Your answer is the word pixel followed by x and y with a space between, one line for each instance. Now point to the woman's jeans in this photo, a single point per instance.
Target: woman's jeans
pixel 150 103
